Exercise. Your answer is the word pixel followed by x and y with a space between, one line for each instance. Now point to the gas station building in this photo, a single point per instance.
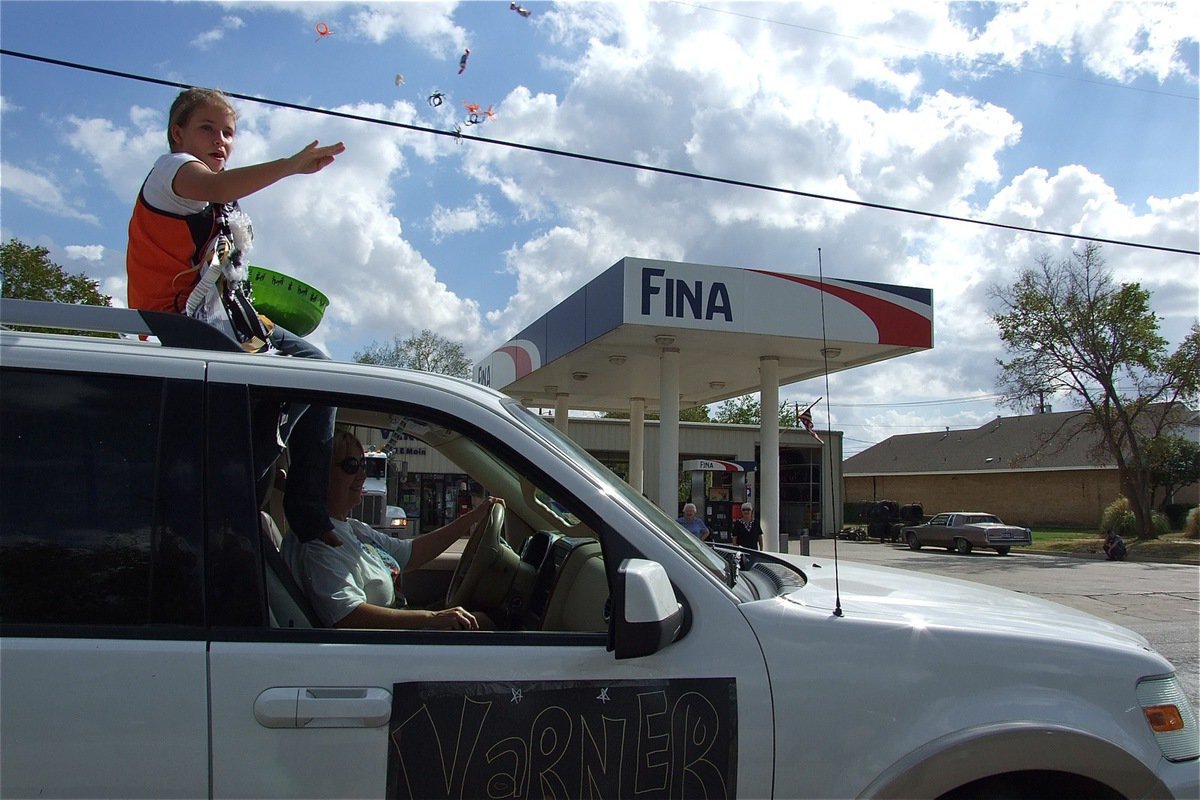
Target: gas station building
pixel 658 336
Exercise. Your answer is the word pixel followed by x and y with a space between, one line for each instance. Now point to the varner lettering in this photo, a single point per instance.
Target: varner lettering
pixel 657 738
pixel 682 298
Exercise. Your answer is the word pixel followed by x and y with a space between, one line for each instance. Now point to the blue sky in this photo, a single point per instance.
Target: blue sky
pixel 1040 114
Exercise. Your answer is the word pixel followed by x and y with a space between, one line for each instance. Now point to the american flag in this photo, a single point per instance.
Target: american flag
pixel 807 421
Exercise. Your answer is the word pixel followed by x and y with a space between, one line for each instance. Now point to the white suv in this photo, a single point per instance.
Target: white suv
pixel 154 644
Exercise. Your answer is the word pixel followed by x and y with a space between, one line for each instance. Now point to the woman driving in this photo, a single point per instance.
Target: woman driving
pixel 359 584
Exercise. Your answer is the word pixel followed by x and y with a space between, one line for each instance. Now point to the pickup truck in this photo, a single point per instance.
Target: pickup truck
pixel 155 645
pixel 963 531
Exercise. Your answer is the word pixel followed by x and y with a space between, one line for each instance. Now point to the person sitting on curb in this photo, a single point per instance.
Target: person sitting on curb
pixel 1114 546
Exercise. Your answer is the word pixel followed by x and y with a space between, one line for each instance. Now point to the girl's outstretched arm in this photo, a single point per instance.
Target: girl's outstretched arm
pixel 195 181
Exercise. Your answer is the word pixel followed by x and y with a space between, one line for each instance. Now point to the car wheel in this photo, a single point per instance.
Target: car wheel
pixel 913 542
pixel 962 546
pixel 1002 551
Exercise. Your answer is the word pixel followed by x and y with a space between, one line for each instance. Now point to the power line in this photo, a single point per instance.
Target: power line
pixel 609 161
pixel 932 426
pixel 949 401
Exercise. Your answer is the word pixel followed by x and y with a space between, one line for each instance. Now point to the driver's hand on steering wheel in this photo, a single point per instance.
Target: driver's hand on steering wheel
pixel 481 511
pixel 453 619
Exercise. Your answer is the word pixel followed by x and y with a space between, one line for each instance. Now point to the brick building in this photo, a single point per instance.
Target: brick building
pixel 1039 469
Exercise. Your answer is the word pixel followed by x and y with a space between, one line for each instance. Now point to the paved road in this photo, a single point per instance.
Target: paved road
pixel 1159 601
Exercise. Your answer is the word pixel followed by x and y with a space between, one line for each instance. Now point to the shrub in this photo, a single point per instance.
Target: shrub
pixel 1118 517
pixel 1191 528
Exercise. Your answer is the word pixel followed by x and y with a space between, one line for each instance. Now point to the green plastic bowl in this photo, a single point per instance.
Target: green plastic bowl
pixel 287 301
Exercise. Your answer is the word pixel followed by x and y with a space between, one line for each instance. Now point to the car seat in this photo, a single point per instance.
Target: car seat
pixel 287 605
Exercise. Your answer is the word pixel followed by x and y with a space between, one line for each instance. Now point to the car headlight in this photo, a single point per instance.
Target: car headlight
pixel 397 522
pixel 1170 716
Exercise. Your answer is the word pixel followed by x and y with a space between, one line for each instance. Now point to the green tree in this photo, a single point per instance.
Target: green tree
pixel 28 273
pixel 1174 464
pixel 747 410
pixel 693 414
pixel 426 351
pixel 742 410
pixel 1069 329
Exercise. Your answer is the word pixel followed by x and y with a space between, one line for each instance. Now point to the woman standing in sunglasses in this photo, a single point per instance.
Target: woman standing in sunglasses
pixel 358 585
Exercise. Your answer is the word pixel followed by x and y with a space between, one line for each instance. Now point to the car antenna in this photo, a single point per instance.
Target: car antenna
pixel 837 590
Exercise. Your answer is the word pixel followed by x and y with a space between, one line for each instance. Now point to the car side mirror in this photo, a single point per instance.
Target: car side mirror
pixel 645 617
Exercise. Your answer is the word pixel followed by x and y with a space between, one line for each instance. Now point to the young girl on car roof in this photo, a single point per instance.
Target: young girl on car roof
pixel 187 208
pixel 190 193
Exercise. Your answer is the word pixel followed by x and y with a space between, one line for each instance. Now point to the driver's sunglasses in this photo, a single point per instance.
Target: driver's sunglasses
pixel 351 466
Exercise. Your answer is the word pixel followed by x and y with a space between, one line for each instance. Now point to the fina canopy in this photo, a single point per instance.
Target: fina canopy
pixel 602 345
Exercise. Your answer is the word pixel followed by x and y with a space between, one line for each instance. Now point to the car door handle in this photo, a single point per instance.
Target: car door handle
pixel 330 707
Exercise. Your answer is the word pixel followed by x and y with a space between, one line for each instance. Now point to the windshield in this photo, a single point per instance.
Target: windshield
pixel 376 466
pixel 663 522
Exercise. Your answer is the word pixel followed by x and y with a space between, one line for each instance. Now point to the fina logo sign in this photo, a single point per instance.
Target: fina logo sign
pixel 516 359
pixel 682 299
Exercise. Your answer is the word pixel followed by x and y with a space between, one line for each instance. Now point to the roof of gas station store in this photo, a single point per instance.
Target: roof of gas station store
pixel 603 344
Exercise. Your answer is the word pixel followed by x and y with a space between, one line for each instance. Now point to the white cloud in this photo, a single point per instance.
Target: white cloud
pixel 86 252
pixel 208 38
pixel 40 191
pixel 757 127
pixel 448 221
pixel 114 286
pixel 123 156
pixel 554 264
pixel 1116 40
pixel 430 25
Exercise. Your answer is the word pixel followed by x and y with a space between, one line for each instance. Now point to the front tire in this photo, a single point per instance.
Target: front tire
pixel 962 546
pixel 1002 551
pixel 1032 783
pixel 913 542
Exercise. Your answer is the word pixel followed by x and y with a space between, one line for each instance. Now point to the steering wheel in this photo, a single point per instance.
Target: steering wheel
pixel 482 551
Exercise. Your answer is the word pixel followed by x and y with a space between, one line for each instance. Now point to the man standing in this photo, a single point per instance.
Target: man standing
pixel 694 524
pixel 747 531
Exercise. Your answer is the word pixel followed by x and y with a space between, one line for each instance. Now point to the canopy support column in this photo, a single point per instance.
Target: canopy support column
pixel 768 458
pixel 668 431
pixel 637 442
pixel 561 411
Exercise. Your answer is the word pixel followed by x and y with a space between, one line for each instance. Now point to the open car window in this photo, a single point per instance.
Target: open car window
pixel 545 572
